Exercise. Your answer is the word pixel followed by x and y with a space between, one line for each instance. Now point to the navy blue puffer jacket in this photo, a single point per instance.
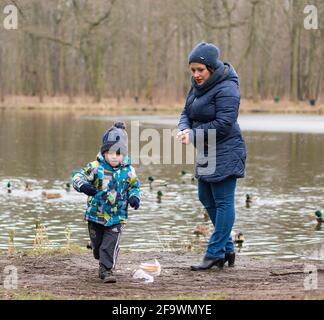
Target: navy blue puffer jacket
pixel 218 108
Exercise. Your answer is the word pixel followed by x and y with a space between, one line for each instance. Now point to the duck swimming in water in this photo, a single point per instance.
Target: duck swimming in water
pixel 9 187
pixel 150 180
pixel 248 200
pixel 157 183
pixel 67 187
pixel 319 216
pixel 187 176
pixel 49 195
pixel 28 186
pixel 159 196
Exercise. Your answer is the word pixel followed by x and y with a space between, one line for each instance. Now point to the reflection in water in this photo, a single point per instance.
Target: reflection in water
pixel 284 175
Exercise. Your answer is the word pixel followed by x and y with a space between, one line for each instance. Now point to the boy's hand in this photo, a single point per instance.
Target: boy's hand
pixel 134 202
pixel 88 189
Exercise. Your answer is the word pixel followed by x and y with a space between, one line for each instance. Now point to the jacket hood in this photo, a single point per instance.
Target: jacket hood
pixel 224 72
pixel 231 74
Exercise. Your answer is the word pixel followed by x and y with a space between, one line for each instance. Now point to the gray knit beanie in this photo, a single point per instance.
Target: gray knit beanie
pixel 205 53
pixel 115 139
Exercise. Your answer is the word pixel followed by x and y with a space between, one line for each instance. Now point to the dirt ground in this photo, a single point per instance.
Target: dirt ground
pixel 75 276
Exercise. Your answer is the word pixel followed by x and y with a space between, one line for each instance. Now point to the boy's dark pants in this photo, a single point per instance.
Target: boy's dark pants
pixel 105 243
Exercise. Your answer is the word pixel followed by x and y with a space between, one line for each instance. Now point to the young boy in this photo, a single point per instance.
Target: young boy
pixel 111 184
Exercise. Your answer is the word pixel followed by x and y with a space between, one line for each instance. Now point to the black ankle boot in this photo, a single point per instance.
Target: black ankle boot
pixel 230 258
pixel 207 263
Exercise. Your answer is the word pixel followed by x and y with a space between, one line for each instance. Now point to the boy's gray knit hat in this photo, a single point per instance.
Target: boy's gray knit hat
pixel 115 139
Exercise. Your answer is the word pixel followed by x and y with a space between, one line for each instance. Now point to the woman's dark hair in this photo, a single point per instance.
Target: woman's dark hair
pixel 210 69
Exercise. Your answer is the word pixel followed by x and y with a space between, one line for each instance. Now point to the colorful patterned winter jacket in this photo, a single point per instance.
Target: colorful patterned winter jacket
pixel 115 186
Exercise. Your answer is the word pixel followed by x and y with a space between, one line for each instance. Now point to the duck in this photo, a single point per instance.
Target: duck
pixel 248 200
pixel 9 190
pixel 49 195
pixel 159 183
pixel 238 238
pixel 150 180
pixel 319 216
pixel 201 230
pixel 187 176
pixel 28 186
pixel 67 187
pixel 159 196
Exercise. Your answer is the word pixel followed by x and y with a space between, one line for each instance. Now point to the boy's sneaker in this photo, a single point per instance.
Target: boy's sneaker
pixel 102 272
pixel 109 277
pixel 106 275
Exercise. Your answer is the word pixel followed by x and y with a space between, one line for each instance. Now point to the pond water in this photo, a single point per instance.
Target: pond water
pixel 285 175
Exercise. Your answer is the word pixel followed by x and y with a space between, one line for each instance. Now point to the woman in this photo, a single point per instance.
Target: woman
pixel 212 105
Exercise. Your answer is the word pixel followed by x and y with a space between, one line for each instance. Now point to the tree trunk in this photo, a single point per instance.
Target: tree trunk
pixel 294 65
pixel 98 74
pixel 149 58
pixel 313 71
pixel 254 49
pixel 2 94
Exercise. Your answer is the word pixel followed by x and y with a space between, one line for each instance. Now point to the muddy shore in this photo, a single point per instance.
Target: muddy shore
pixel 74 276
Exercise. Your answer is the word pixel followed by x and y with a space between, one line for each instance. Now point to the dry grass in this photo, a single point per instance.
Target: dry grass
pixel 11 242
pixel 85 104
pixel 284 107
pixel 42 245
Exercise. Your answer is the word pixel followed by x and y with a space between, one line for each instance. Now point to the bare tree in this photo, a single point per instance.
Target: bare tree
pixel 139 49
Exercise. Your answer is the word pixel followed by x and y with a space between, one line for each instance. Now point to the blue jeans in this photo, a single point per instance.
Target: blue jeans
pixel 218 199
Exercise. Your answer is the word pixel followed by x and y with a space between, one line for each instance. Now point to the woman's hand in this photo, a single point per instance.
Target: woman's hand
pixel 183 136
